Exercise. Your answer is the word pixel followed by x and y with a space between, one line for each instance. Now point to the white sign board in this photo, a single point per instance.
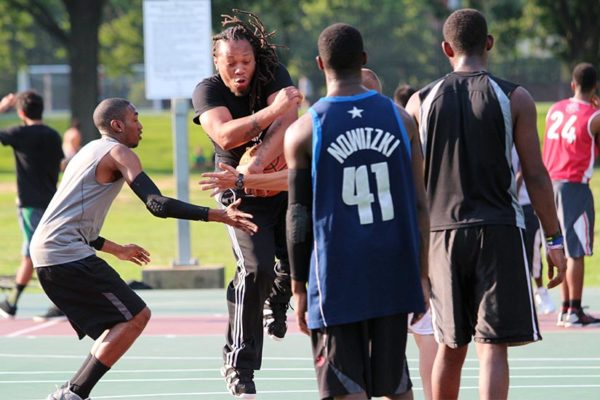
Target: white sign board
pixel 177 46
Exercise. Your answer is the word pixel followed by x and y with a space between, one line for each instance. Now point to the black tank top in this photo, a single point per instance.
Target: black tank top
pixel 467 136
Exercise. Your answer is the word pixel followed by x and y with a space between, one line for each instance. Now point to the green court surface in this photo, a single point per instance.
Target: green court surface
pixel 178 357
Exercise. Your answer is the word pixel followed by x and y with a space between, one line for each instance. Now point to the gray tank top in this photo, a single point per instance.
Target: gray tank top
pixel 77 211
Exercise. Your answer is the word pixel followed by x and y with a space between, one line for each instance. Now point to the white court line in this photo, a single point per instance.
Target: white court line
pixel 145 371
pixel 34 328
pixel 312 378
pixel 128 357
pixel 178 395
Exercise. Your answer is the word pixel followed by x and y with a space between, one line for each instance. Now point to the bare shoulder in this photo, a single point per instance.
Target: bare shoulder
pixel 521 102
pixel 413 106
pixel 123 155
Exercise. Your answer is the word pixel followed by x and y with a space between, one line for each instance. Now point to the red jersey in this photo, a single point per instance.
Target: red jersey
pixel 569 146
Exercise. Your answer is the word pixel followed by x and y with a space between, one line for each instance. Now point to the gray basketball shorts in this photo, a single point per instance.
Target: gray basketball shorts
pixel 575 208
pixel 480 286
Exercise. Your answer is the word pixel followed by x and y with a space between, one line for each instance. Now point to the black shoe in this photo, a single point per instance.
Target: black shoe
pixel 7 310
pixel 240 382
pixel 275 319
pixel 52 313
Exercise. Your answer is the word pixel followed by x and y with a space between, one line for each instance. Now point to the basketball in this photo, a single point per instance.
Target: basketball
pixel 275 165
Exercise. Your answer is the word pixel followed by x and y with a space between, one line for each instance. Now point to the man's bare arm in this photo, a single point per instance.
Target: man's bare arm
pixel 272 145
pixel 227 178
pixel 413 108
pixel 229 133
pixel 298 149
pixel 535 174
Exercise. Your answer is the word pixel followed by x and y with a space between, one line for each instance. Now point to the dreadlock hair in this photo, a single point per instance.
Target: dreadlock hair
pixel 466 31
pixel 585 76
pixel 256 34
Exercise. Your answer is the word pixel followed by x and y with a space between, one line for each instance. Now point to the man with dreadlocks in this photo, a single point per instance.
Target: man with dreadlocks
pixel 250 100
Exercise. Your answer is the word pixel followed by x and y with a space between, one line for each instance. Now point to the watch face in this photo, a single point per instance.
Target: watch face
pixel 227 197
pixel 239 182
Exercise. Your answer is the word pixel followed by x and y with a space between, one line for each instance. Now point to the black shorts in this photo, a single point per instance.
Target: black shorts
pixel 480 286
pixel 91 294
pixel 366 356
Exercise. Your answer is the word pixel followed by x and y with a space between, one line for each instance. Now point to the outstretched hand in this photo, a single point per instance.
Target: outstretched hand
pixel 219 181
pixel 238 219
pixel 556 260
pixel 134 253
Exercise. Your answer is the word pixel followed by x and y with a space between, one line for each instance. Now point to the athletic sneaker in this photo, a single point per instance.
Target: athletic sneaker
pixel 543 301
pixel 560 321
pixel 275 319
pixel 52 313
pixel 64 393
pixel 7 310
pixel 580 319
pixel 239 382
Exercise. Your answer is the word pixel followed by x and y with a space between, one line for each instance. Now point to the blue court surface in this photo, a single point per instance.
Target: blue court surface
pixel 179 356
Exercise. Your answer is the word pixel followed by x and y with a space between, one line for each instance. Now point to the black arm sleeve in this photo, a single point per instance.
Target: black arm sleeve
pixel 163 207
pixel 98 243
pixel 299 223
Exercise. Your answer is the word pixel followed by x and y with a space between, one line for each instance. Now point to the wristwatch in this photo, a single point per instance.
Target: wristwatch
pixel 239 182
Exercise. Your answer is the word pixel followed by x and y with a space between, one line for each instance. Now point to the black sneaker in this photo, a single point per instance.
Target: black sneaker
pixel 52 313
pixel 580 319
pixel 239 382
pixel 64 393
pixel 275 319
pixel 7 310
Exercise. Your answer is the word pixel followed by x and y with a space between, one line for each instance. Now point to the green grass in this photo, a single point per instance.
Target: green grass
pixel 129 222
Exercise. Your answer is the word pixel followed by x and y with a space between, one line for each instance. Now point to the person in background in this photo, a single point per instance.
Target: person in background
pixel 570 147
pixel 422 330
pixel 402 94
pixel 71 142
pixel 38 153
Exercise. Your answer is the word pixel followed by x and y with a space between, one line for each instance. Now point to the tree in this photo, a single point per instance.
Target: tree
pixel 80 38
pixel 570 28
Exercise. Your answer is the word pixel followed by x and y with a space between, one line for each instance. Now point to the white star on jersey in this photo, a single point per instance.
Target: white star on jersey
pixel 356 112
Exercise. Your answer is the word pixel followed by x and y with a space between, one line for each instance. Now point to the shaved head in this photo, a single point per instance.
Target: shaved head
pixel 370 80
pixel 108 110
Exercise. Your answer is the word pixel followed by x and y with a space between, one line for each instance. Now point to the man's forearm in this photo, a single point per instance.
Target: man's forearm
pixel 272 144
pixel 273 181
pixel 541 193
pixel 238 131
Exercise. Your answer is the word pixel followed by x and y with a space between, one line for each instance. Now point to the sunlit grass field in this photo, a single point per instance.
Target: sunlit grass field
pixel 130 222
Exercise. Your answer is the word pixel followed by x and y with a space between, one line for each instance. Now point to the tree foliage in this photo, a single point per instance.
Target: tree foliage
pixel 402 37
pixel 569 28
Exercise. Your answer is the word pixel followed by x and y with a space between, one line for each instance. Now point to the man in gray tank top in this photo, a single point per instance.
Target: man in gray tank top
pixel 63 248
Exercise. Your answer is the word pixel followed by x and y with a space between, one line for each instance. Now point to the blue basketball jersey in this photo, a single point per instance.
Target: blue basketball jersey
pixel 365 261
